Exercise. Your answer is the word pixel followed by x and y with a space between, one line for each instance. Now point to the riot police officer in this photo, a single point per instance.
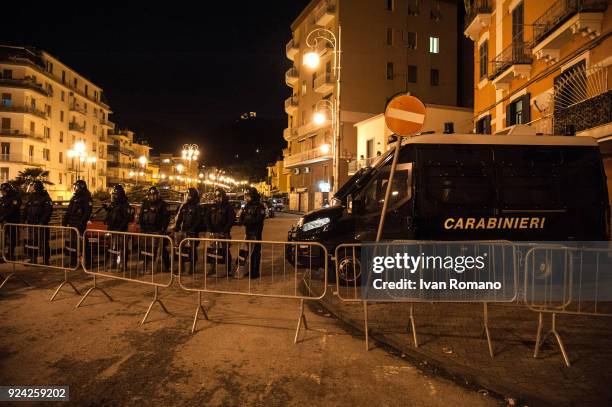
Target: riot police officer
pixel 10 204
pixel 76 216
pixel 37 211
pixel 219 220
pixel 188 221
pixel 252 218
pixel 119 214
pixel 154 219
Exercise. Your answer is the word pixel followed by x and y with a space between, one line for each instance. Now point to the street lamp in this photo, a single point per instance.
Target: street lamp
pixel 190 153
pixel 143 163
pixel 78 151
pixel 312 60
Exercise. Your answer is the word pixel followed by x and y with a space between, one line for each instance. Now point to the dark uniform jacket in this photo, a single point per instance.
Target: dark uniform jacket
pixel 189 218
pixel 10 206
pixel 154 217
pixel 38 209
pixel 79 211
pixel 220 218
pixel 252 217
pixel 118 216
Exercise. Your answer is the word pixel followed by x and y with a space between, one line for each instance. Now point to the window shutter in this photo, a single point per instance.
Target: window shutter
pixel 487 125
pixel 526 108
pixel 508 114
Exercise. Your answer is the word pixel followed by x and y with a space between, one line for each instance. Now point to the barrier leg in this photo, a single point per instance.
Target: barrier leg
pixel 301 320
pixel 552 331
pixel 155 300
pixel 412 327
pixel 66 281
pixel 199 309
pixel 366 329
pixel 13 274
pixel 95 287
pixel 485 328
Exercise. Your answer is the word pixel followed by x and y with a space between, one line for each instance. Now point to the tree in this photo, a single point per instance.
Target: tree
pixel 23 178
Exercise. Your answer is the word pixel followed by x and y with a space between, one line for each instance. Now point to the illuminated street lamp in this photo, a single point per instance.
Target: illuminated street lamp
pixel 191 152
pixel 78 151
pixel 312 60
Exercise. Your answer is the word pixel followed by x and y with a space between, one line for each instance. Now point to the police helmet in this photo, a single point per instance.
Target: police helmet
pixel 253 194
pixel 153 194
pixel 118 193
pixel 192 195
pixel 7 188
pixel 36 186
pixel 79 186
pixel 220 195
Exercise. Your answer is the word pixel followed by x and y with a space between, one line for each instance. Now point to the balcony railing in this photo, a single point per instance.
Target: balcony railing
pixel 20 159
pixel 107 123
pixel 77 108
pixel 291 104
pixel 477 7
pixel 307 156
pixel 291 76
pixel 23 109
pixel 517 53
pixel 291 49
pixel 324 83
pixel 76 127
pixel 560 12
pixel 113 148
pixel 25 83
pixel 325 13
pixel 21 133
pixel 290 133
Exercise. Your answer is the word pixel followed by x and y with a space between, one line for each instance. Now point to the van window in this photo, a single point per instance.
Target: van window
pixel 373 196
pixel 458 186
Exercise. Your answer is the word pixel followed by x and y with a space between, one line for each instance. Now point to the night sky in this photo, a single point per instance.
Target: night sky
pixel 174 73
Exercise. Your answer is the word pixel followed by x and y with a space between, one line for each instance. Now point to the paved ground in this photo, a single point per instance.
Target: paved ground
pixel 244 356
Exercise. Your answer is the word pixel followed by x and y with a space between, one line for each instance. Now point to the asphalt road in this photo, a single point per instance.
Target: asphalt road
pixel 244 355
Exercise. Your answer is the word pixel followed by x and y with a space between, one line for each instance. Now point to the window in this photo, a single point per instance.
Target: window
pixel 483 126
pixel 31 151
pixel 7 73
pixel 412 73
pixel 390 70
pixel 86 93
pixel 59 177
pixel 6 123
pixel 434 77
pixel 411 40
pixel 48 108
pixel 413 7
pixel 483 55
pixel 389 36
pixel 32 127
pixel 61 136
pixel 63 80
pixel 5 149
pixel 62 96
pixel 303 88
pixel 61 157
pixel 314 78
pixel 373 196
pixel 4 174
pixel 434 45
pixel 7 99
pixel 518 111
pixel 61 115
pixel 47 132
pixel 46 154
pixel 390 5
pixel 435 14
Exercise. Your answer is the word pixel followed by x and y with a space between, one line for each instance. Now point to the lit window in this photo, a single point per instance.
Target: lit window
pixel 434 45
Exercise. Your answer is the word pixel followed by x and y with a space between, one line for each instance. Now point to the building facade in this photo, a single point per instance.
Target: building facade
pixel 53 118
pixel 278 178
pixel 129 162
pixel 403 47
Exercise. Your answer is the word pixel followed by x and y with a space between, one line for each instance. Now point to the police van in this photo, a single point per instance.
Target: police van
pixel 470 187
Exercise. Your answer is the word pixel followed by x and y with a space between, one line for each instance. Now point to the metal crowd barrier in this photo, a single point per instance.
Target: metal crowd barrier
pixel 565 280
pixel 52 247
pixel 500 265
pixel 134 257
pixel 224 266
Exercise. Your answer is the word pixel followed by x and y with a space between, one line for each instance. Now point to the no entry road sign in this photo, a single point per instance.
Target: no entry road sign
pixel 405 115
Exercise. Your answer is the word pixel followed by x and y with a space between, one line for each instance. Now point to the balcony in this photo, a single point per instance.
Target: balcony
pixel 112 148
pixel 107 123
pixel 24 83
pixel 587 114
pixel 23 109
pixel 75 107
pixel 21 134
pixel 478 17
pixel 310 156
pixel 73 126
pixel 291 105
pixel 290 133
pixel 324 83
pixel 291 49
pixel 562 21
pixel 291 76
pixel 20 159
pixel 325 13
pixel 514 61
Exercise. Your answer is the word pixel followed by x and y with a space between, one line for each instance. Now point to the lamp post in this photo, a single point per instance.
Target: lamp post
pixel 143 163
pixel 78 151
pixel 190 153
pixel 312 60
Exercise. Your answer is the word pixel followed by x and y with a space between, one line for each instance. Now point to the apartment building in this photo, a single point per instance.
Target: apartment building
pixel 541 63
pixel 278 178
pixel 386 47
pixel 51 117
pixel 129 161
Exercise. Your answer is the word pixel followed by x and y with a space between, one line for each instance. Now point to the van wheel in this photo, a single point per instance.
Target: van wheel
pixel 349 268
